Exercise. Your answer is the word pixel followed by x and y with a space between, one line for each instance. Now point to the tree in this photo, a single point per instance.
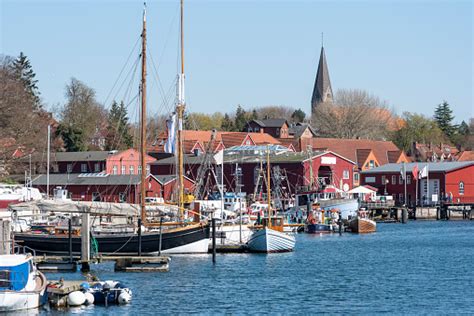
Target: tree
pixel 118 128
pixel 298 116
pixel 274 112
pixel 240 119
pixel 203 121
pixel 72 137
pixel 417 128
pixel 444 118
pixel 22 125
pixel 22 68
pixel 354 114
pixel 254 115
pixel 82 112
pixel 227 124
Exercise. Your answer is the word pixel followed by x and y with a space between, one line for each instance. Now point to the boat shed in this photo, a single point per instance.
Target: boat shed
pixel 451 182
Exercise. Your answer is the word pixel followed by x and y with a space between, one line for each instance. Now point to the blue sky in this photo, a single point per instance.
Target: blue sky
pixel 414 54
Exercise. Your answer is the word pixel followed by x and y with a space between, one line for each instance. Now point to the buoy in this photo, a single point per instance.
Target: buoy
pixel 76 298
pixel 125 297
pixel 89 298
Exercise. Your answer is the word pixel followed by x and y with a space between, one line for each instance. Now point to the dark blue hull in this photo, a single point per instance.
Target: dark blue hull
pixel 318 228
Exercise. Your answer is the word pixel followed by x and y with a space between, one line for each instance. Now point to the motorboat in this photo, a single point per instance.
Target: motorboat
pixel 270 237
pixel 361 224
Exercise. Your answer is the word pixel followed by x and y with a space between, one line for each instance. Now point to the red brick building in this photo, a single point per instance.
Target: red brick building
pixel 451 181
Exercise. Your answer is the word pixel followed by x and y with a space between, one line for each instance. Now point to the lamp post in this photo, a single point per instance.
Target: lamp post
pixel 385 190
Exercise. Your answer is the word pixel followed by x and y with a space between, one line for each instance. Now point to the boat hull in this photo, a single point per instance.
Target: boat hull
pixel 23 300
pixel 362 225
pixel 267 240
pixel 318 228
pixel 190 239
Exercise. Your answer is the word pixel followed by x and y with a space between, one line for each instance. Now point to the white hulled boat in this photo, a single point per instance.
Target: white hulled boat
pixel 22 286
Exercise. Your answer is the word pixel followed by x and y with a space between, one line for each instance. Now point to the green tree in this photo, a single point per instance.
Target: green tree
pixel 118 128
pixel 227 124
pixel 444 118
pixel 254 115
pixel 298 116
pixel 417 128
pixel 240 119
pixel 72 137
pixel 22 68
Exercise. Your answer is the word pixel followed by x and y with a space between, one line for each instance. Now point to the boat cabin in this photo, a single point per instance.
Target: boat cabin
pixel 277 223
pixel 15 271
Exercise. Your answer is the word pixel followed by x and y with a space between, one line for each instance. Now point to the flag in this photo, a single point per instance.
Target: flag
pixel 219 157
pixel 424 172
pixel 171 140
pixel 403 171
pixel 415 172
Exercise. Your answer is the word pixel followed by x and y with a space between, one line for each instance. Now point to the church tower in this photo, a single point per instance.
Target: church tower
pixel 322 91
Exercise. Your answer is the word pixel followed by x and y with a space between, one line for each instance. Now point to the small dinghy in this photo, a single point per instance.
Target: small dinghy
pixel 22 286
pixel 110 293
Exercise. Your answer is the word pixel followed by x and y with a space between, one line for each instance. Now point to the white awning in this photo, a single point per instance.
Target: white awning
pixel 361 190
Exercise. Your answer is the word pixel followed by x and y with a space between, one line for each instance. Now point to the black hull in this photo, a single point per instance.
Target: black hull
pixel 120 244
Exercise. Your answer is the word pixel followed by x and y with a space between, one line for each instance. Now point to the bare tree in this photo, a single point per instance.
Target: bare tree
pixel 354 114
pixel 274 112
pixel 82 111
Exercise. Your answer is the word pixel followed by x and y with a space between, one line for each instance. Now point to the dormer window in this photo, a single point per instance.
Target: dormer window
pixel 461 188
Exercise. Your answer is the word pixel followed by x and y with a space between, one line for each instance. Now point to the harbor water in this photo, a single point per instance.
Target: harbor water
pixel 420 267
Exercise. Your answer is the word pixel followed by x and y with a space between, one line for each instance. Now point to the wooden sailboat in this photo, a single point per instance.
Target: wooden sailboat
pixel 269 237
pixel 192 238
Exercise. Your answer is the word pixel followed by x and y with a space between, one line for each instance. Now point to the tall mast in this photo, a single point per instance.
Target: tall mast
pixel 180 112
pixel 269 197
pixel 143 123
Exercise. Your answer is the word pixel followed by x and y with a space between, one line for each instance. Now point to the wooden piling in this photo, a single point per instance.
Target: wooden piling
pixel 5 235
pixel 213 240
pixel 85 242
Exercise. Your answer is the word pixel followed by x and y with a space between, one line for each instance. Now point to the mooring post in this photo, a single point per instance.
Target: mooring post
pixel 213 240
pixel 404 215
pixel 69 223
pixel 85 242
pixel 139 237
pixel 308 208
pixel 161 235
pixel 339 222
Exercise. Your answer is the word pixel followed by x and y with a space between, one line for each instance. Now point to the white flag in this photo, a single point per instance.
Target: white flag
pixel 219 157
pixel 170 142
pixel 424 172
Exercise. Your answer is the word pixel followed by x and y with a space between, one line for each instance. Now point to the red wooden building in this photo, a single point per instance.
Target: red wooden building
pixel 446 181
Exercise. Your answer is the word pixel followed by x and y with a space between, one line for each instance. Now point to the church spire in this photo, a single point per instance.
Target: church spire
pixel 322 91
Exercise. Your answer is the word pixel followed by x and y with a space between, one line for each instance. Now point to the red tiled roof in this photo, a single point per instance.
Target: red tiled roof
pixel 362 155
pixel 467 155
pixel 348 147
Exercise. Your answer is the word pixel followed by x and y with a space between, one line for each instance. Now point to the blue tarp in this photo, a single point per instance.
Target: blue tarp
pixel 14 278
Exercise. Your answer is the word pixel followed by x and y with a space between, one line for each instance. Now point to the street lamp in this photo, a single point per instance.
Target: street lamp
pixel 385 190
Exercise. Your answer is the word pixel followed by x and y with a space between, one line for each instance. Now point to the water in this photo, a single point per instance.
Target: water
pixel 420 267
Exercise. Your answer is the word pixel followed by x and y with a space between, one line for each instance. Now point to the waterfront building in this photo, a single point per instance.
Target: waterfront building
pixel 446 181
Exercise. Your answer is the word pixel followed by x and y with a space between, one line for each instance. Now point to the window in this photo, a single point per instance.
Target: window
pixel 248 142
pixel 95 197
pixel 278 131
pixel 400 179
pixel 400 197
pixel 257 129
pixel 250 130
pixel 83 167
pixel 131 169
pixel 97 167
pixel 384 180
pixel 124 169
pixel 461 188
pixel 394 179
pixel 114 169
pixel 147 169
pixel 371 164
pixel 69 167
pixel 139 169
pixel 122 197
pixel 345 174
pixel 356 177
pixel 408 179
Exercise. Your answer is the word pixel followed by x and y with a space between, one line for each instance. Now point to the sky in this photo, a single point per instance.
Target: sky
pixel 414 54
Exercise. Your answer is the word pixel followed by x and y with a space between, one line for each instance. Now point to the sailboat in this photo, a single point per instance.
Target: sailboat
pixel 270 236
pixel 156 239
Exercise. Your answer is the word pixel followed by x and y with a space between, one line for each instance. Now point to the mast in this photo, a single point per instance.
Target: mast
pixel 143 123
pixel 48 155
pixel 269 197
pixel 180 112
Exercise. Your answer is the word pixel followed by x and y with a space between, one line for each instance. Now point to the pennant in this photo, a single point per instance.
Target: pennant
pixel 171 140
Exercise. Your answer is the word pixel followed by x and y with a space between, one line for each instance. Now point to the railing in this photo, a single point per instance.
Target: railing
pixel 385 204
